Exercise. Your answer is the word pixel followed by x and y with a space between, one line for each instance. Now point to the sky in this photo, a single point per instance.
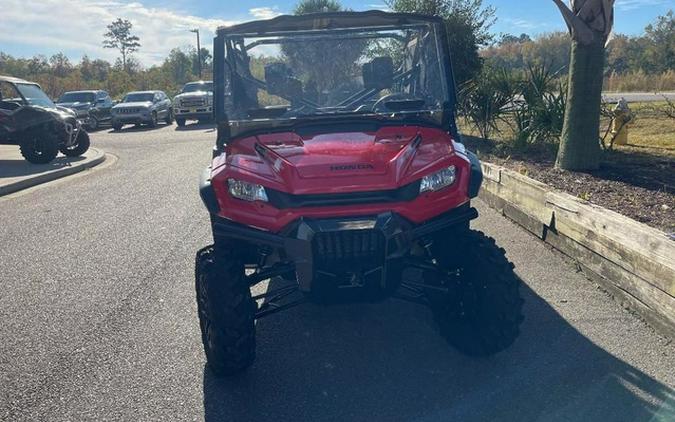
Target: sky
pixel 76 27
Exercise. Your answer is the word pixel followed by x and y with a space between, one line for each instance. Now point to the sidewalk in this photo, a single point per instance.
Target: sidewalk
pixel 17 174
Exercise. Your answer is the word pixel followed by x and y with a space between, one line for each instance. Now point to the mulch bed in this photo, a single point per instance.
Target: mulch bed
pixel 638 185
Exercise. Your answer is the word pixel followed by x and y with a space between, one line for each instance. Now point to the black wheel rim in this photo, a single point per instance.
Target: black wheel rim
pixel 38 145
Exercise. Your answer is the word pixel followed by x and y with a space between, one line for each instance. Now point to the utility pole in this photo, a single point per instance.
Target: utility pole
pixel 199 52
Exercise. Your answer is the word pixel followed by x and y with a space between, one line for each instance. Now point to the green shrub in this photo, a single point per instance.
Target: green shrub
pixel 484 101
pixel 532 104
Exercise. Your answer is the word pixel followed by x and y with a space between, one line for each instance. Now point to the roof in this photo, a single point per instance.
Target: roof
pixel 83 91
pixel 328 20
pixel 142 92
pixel 15 80
pixel 199 82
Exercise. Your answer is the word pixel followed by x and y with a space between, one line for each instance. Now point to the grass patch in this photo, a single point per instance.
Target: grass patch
pixel 651 131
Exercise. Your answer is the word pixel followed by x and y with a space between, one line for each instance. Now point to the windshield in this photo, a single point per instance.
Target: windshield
pixel 364 71
pixel 34 95
pixel 197 86
pixel 137 97
pixel 77 97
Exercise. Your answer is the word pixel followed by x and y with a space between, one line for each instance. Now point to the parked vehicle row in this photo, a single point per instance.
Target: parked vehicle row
pixel 42 127
pixel 30 120
pixel 96 107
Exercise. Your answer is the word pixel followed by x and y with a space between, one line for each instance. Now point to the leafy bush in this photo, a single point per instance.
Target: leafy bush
pixel 484 100
pixel 531 104
pixel 539 115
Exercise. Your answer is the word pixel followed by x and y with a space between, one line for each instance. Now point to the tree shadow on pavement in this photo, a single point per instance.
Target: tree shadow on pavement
pixel 386 362
pixel 207 127
pixel 139 128
pixel 21 167
pixel 102 127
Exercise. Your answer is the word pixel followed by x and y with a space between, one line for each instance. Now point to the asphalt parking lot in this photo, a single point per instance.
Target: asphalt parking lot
pixel 99 321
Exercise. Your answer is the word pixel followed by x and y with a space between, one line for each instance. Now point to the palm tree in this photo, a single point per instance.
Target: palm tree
pixel 590 23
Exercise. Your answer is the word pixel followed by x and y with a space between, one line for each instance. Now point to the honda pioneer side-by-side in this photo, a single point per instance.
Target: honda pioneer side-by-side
pixel 338 171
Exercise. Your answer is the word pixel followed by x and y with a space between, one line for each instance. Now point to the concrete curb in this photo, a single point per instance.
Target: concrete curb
pixel 632 261
pixel 39 179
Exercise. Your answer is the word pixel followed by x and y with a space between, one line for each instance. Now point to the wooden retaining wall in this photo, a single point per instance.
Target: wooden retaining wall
pixel 632 261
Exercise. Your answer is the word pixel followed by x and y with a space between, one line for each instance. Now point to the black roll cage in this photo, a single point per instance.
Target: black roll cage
pixel 317 22
pixel 15 84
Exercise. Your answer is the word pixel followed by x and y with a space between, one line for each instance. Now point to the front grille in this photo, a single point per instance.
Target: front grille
pixel 283 200
pixel 349 248
pixel 193 102
pixel 70 128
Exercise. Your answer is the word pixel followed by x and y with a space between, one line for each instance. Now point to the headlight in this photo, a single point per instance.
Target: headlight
pixel 246 191
pixel 438 180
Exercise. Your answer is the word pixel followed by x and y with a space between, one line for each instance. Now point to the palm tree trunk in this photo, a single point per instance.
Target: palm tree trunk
pixel 579 144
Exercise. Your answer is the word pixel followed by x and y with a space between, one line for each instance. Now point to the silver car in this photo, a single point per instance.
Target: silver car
pixel 142 107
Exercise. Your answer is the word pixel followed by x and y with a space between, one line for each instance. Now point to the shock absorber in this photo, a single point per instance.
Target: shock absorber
pixel 263 252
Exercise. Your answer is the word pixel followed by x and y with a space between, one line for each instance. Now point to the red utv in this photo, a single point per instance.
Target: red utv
pixel 338 168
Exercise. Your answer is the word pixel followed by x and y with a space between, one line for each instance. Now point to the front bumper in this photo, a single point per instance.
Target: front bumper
pixel 127 119
pixel 310 243
pixel 71 130
pixel 193 113
pixel 365 248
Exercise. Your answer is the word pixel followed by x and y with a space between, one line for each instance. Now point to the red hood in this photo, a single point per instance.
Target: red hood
pixel 339 162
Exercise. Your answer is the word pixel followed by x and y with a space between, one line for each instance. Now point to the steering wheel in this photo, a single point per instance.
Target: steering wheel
pixel 380 106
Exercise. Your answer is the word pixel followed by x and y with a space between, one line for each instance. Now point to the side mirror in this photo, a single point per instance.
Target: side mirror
pixel 378 74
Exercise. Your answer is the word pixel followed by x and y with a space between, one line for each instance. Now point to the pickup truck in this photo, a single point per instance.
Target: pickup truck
pixel 195 102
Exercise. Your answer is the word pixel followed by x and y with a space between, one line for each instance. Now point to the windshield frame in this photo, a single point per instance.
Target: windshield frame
pixel 150 94
pixel 199 84
pixel 347 21
pixel 44 102
pixel 90 94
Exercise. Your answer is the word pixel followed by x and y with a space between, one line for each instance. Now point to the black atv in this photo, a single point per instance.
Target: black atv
pixel 29 119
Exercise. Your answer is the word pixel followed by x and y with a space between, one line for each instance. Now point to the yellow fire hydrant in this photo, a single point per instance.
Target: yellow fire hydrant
pixel 622 116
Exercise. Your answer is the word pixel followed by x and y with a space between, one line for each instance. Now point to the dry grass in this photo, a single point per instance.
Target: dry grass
pixel 651 131
pixel 640 82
